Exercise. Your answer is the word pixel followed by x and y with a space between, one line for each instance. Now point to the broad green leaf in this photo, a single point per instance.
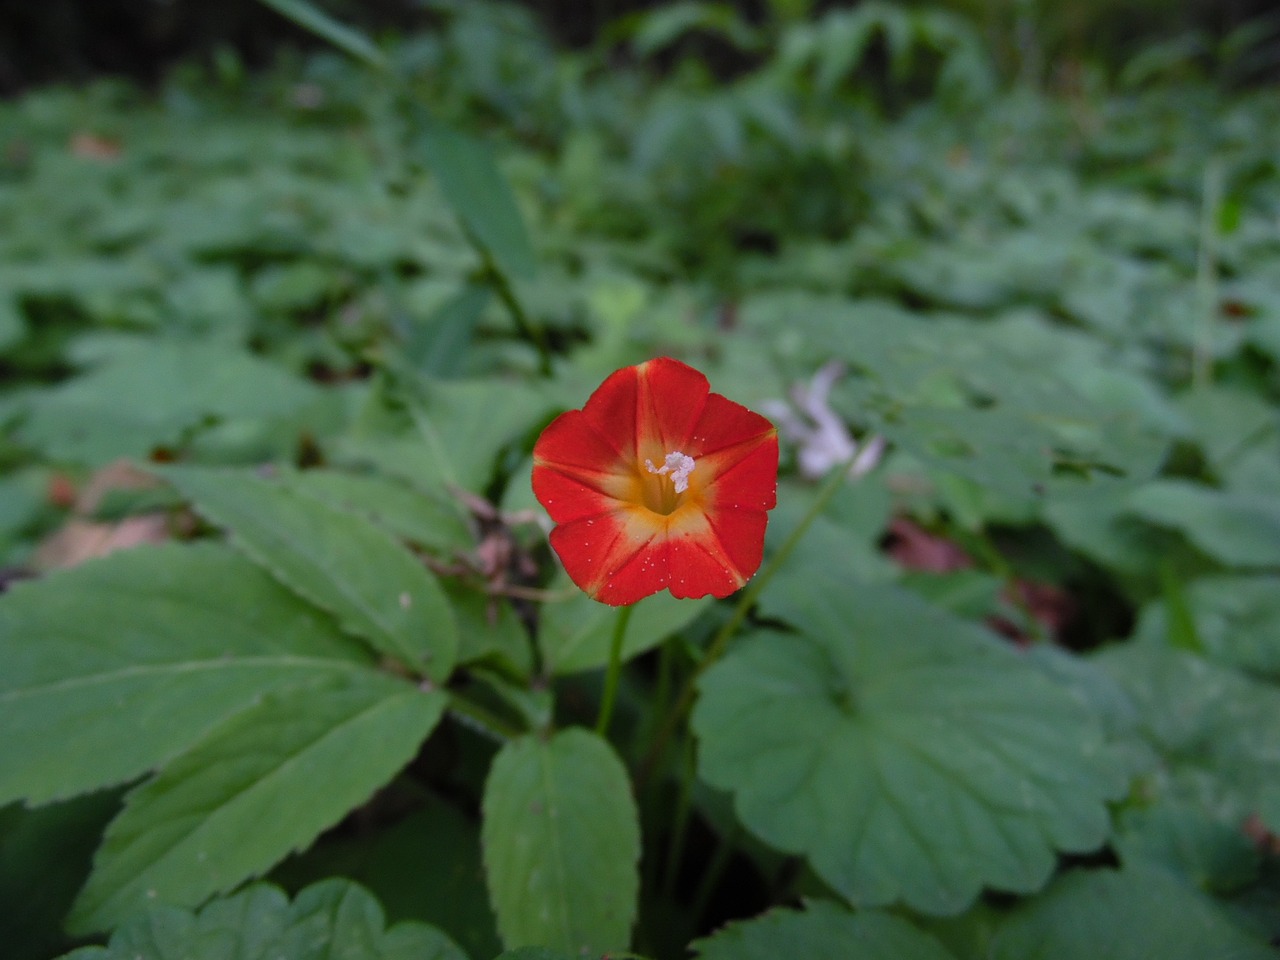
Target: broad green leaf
pixel 326 921
pixel 310 17
pixel 1237 621
pixel 575 634
pixel 337 560
pixel 1214 730
pixel 478 192
pixel 1216 857
pixel 456 431
pixel 435 521
pixel 115 666
pixel 1240 529
pixel 265 782
pixel 823 931
pixel 561 844
pixel 1131 914
pixel 955 764
pixel 154 394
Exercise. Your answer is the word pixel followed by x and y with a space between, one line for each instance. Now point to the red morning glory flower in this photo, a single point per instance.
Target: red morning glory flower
pixel 657 483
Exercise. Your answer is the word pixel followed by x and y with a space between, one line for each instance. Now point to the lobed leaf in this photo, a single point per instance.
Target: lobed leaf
pixel 906 753
pixel 328 920
pixel 823 931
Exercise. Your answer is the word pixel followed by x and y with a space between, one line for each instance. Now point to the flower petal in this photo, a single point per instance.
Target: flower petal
pixel 740 534
pixel 723 424
pixel 673 396
pixel 594 549
pixel 569 498
pixel 743 477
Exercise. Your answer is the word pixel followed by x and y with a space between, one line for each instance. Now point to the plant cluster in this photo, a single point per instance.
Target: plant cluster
pixel 290 665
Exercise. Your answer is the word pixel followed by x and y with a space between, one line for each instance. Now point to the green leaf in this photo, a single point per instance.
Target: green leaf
pixel 432 520
pixel 1241 529
pixel 575 634
pixel 1235 620
pixel 310 17
pixel 1216 857
pixel 561 843
pixel 154 394
pixel 117 665
pixel 473 185
pixel 456 433
pixel 1131 914
pixel 824 931
pixel 326 921
pixel 953 762
pixel 338 561
pixel 267 781
pixel 1213 729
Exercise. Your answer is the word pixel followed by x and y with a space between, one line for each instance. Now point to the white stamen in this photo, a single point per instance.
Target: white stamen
pixel 678 465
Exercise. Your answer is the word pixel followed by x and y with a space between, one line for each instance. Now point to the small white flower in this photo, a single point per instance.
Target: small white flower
pixel 822 437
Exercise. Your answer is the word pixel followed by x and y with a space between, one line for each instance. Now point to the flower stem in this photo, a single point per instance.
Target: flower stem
pixel 746 600
pixel 614 671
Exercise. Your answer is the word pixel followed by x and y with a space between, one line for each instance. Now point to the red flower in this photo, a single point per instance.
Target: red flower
pixel 657 483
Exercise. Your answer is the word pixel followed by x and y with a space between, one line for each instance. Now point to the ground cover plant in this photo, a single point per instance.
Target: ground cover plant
pixel 317 385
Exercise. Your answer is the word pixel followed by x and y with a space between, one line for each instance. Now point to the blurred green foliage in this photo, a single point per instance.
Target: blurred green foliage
pixel 1053 295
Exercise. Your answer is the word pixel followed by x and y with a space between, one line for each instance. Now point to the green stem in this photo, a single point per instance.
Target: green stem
pixel 746 600
pixel 524 326
pixel 614 672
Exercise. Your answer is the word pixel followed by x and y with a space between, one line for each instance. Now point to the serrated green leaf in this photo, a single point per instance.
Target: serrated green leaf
pixel 433 522
pixel 1235 621
pixel 1241 529
pixel 955 764
pixel 561 843
pixel 1213 728
pixel 338 561
pixel 1131 914
pixel 575 634
pixel 326 921
pixel 479 194
pixel 265 782
pixel 1214 856
pixel 117 665
pixel 823 931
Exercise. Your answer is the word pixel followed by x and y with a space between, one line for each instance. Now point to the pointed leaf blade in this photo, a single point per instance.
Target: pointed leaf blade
pixel 119 664
pixel 266 782
pixel 561 844
pixel 337 560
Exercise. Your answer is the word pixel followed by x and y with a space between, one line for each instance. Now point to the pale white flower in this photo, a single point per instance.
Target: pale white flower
pixel 822 439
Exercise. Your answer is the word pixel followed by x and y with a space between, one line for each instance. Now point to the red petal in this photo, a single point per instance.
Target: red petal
pixel 724 424
pixel 744 477
pixel 568 498
pixel 673 396
pixel 741 537
pixel 612 410
pixel 593 551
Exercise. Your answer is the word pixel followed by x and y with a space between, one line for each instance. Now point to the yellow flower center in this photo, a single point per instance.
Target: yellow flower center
pixel 662 487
